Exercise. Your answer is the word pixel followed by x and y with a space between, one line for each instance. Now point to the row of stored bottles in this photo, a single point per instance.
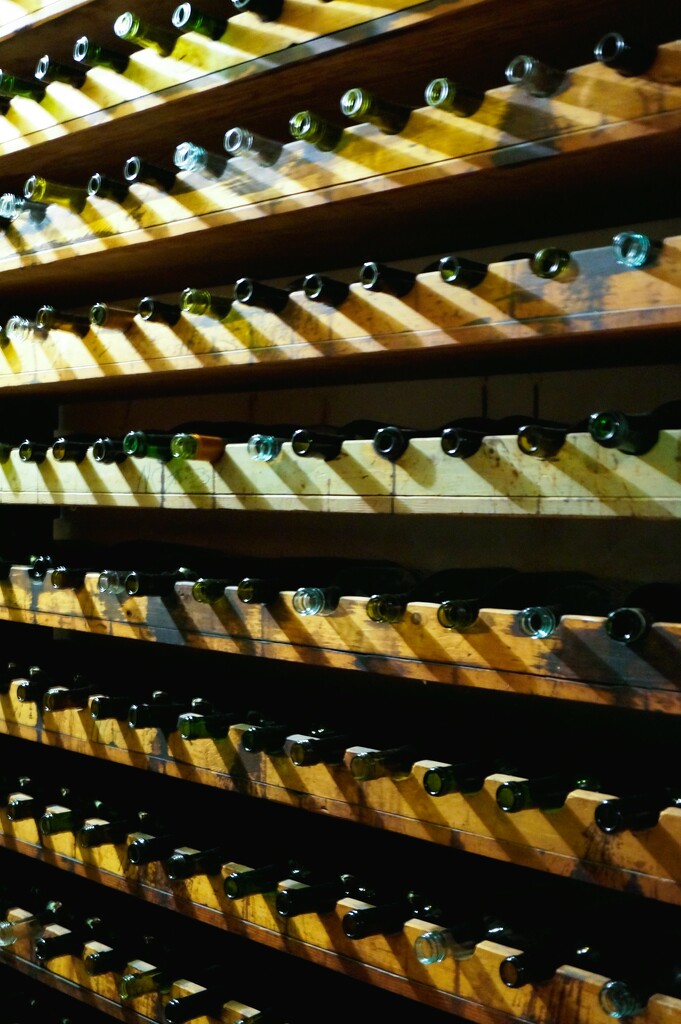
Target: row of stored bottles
pixel 281 865
pixel 631 249
pixel 643 793
pixel 205 441
pixel 627 55
pixel 117 948
pixel 542 598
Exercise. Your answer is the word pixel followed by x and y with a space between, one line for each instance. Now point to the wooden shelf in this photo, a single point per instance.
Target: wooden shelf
pixel 249 46
pixel 579 662
pixel 472 988
pixel 254 238
pixel 565 842
pixel 582 480
pixel 511 314
pixel 408 49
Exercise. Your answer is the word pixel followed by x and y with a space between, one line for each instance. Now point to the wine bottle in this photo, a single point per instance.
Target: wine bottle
pixel 652 602
pixel 542 439
pixel 156 584
pixel 459 939
pixel 72 448
pixel 155 311
pixel 70 942
pixel 265 737
pixel 33 451
pixel 627 996
pixel 189 157
pixel 50 70
pixel 19 328
pixel 320 897
pixel 463 437
pixel 11 85
pixel 204 722
pixel 208 1002
pixel 112 581
pixel 464 777
pixel 242 142
pixel 92 55
pixel 68 578
pixel 107 188
pixel 130 27
pixel 137 169
pixel 108 450
pixel 393 763
pixel 551 262
pixel 104 707
pixel 444 94
pixel 114 317
pixel 327 290
pixel 97 832
pixel 188 18
pixel 356 581
pixel 362 105
pixel 635 812
pixel 242 881
pixel 306 126
pixel 160 713
pixel 322 746
pixel 625 56
pixel 633 433
pixel 147 849
pixel 151 978
pixel 379 277
pixel 50 319
pixel 58 698
pixel 465 273
pixel 33 796
pixel 58 819
pixel 450 588
pixel 32 689
pixel 210 591
pixel 204 303
pixel 44 191
pixel 266 10
pixel 264 296
pixel 547 793
pixel 633 249
pixel 209 447
pixel 572 595
pixel 13 206
pixel 187 863
pixel 535 77
pixel 12 932
pixel 386 918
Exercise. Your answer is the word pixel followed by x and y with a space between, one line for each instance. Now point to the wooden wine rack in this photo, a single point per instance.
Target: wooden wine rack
pixel 519 168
